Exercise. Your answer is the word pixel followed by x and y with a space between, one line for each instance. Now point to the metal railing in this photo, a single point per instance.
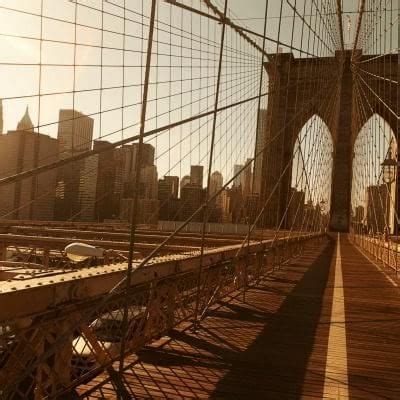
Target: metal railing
pixel 60 332
pixel 384 251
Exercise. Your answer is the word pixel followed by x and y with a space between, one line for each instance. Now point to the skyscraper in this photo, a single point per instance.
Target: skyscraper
pixel 247 178
pixel 295 213
pixel 109 181
pixel 168 188
pixel 192 197
pixel 185 181
pixel 147 186
pixel 260 143
pixel 378 208
pixel 75 132
pixel 77 181
pixel 216 182
pixel 21 150
pixel 196 175
pixel 215 205
pixel 239 179
pixel 25 123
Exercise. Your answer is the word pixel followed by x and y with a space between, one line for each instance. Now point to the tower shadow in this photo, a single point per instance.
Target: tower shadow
pixel 276 363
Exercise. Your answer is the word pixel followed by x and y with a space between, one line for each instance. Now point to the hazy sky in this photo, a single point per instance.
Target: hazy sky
pixel 89 55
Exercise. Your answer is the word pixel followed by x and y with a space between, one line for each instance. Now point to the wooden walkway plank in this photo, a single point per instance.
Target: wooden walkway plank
pixel 277 344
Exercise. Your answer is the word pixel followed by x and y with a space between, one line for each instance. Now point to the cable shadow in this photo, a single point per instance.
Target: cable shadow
pixel 275 364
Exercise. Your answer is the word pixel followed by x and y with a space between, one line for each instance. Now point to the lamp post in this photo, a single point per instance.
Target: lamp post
pixel 322 206
pixel 389 169
pixel 389 172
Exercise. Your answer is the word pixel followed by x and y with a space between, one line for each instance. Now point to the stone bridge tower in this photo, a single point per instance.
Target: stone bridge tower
pixel 301 88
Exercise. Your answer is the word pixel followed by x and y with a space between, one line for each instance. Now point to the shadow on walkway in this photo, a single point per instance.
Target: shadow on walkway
pixel 275 364
pixel 271 347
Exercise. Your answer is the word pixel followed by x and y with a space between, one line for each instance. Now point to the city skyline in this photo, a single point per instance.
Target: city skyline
pixel 78 69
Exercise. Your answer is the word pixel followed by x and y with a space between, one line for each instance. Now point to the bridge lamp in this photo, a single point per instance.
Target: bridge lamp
pixel 389 169
pixel 81 251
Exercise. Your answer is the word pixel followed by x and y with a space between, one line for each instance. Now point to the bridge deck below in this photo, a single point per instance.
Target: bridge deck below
pixel 276 344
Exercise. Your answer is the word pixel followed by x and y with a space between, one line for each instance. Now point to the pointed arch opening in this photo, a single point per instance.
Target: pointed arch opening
pixel 374 198
pixel 311 176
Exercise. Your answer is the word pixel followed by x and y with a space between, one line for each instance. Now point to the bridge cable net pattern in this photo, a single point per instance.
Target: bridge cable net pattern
pixel 375 195
pixel 164 85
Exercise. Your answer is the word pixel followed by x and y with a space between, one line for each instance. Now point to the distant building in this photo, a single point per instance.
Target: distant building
pixel 236 204
pixel 22 150
pixel 75 132
pixel 216 182
pixel 215 205
pixel 129 154
pixel 196 175
pixel 309 222
pixel 377 208
pixel 109 181
pixel 76 181
pixel 225 207
pixel 168 188
pixel 247 178
pixel 260 143
pixel 295 212
pixel 239 179
pixel 192 197
pixel 251 207
pixel 147 212
pixel 147 187
pixel 185 181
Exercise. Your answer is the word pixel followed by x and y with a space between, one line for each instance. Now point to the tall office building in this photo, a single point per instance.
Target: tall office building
pixel 295 213
pixel 22 150
pixel 168 188
pixel 25 123
pixel 226 216
pixel 192 197
pixel 76 181
pixel 378 208
pixel 109 181
pixel 75 132
pixel 196 175
pixel 216 182
pixel 260 143
pixel 236 210
pixel 247 178
pixel 147 187
pixel 129 154
pixel 215 205
pixel 239 179
pixel 185 181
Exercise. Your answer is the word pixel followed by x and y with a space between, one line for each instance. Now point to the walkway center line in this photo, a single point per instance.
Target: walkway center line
pixel 336 377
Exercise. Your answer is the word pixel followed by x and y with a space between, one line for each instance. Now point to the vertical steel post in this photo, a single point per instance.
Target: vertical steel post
pixel 205 206
pixel 138 164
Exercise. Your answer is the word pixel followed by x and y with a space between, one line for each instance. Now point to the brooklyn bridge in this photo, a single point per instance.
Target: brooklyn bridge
pixel 199 199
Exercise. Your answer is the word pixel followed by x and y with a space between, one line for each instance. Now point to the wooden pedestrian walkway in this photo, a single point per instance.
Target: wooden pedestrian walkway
pixel 292 338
